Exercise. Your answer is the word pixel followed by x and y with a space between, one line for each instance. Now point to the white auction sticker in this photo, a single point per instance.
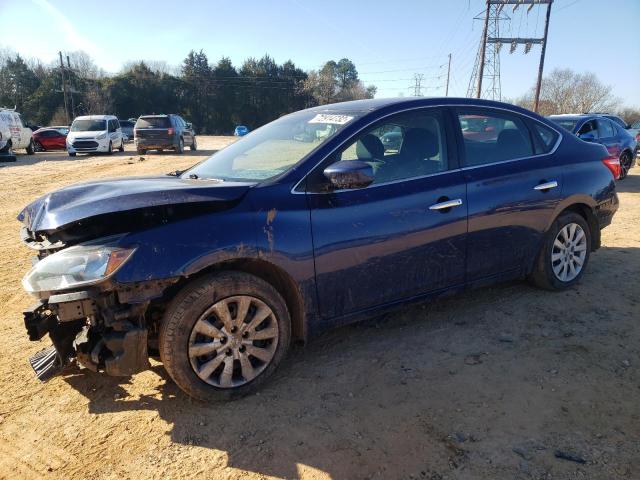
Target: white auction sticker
pixel 334 119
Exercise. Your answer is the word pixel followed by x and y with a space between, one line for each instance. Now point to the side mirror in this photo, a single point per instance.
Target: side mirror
pixel 587 137
pixel 189 125
pixel 349 174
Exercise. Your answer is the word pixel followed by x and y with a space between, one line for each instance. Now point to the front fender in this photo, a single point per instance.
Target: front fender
pixel 183 248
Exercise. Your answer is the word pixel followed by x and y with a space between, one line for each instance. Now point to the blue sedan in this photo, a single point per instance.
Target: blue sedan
pixel 217 269
pixel 602 129
pixel 240 131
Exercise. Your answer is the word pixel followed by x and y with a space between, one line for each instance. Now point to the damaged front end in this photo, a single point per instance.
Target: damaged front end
pixel 90 319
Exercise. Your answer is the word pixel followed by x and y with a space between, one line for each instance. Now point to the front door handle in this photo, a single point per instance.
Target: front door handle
pixel 546 186
pixel 447 204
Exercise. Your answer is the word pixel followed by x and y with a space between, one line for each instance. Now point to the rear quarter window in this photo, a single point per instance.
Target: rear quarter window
pixel 545 138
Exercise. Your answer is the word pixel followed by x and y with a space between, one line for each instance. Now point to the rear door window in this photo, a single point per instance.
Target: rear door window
pixel 605 129
pixel 491 136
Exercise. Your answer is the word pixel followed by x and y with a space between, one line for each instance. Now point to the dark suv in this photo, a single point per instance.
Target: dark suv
pixel 163 132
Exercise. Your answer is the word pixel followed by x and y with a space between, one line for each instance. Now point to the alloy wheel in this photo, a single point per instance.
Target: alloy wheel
pixel 233 341
pixel 569 252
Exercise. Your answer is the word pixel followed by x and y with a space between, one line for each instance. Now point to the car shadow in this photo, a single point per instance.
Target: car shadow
pixel 631 184
pixel 407 386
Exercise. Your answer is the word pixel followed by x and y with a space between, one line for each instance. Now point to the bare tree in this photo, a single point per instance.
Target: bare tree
pixel 566 91
pixel 629 114
pixel 97 100
pixel 84 66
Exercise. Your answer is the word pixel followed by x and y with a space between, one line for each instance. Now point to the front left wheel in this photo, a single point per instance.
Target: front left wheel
pixel 31 148
pixel 223 335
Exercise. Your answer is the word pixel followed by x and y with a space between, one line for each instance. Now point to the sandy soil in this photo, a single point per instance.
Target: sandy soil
pixel 489 384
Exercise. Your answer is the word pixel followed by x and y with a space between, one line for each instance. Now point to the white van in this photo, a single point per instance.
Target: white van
pixel 13 132
pixel 95 133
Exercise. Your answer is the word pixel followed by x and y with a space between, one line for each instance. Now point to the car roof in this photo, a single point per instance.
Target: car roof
pixel 374 104
pixel 96 117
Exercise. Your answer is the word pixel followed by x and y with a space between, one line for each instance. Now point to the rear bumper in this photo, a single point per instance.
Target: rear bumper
pixel 606 209
pixel 155 143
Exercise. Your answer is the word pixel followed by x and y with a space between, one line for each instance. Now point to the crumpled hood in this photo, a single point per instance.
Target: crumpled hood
pixel 81 201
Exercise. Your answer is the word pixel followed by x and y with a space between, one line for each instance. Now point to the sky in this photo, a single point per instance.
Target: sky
pixel 389 42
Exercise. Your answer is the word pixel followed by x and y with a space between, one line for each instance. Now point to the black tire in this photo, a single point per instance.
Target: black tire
pixel 38 147
pixel 6 148
pixel 141 151
pixel 180 146
pixel 110 151
pixel 625 164
pixel 121 149
pixel 185 310
pixel 543 275
pixel 72 154
pixel 194 144
pixel 31 149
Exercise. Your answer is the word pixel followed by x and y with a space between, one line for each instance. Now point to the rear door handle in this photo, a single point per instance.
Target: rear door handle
pixel 448 204
pixel 546 186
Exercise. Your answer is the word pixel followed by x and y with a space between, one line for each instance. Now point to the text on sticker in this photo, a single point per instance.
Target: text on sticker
pixel 334 119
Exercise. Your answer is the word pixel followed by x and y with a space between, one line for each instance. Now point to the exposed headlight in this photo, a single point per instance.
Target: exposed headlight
pixel 102 136
pixel 74 267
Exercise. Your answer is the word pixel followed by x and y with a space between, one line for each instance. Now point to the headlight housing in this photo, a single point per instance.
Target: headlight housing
pixel 102 136
pixel 75 266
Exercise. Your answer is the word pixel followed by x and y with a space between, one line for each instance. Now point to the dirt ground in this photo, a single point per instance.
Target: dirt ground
pixel 490 384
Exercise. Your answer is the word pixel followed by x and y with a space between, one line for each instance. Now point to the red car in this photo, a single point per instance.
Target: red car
pixel 49 139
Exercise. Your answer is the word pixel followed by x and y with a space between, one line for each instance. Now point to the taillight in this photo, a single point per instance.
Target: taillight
pixel 638 137
pixel 613 164
pixel 171 131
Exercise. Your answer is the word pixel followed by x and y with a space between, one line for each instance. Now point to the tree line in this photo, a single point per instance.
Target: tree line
pixel 215 97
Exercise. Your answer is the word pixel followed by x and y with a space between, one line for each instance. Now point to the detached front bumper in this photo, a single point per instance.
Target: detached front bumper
pixel 92 328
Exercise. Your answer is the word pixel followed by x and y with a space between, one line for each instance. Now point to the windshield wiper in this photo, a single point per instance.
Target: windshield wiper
pixel 176 173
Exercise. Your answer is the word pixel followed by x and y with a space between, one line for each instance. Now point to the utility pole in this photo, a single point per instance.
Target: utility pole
pixel 417 86
pixel 71 90
pixel 64 89
pixel 446 90
pixel 542 54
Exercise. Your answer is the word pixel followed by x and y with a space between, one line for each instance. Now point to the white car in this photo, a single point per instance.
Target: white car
pixel 95 133
pixel 13 132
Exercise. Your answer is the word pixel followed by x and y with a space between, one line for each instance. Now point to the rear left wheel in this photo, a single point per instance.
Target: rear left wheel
pixel 194 144
pixel 121 149
pixel 565 253
pixel 180 147
pixel 224 335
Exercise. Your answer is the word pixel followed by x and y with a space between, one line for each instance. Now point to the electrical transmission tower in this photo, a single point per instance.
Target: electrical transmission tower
pixel 485 77
pixel 417 84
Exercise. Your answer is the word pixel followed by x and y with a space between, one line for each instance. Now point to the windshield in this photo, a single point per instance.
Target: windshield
pixel 153 122
pixel 272 149
pixel 567 124
pixel 88 125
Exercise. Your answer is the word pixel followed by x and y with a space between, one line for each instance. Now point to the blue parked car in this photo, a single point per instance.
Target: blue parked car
pixel 218 268
pixel 605 130
pixel 240 131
